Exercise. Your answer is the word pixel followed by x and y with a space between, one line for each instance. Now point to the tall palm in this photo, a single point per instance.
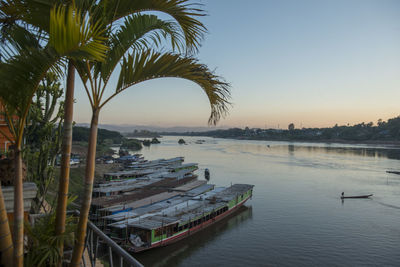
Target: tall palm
pixel 129 47
pixel 108 12
pixel 69 35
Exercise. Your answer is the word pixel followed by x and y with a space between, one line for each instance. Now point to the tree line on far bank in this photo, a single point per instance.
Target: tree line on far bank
pixel 385 131
pixel 108 138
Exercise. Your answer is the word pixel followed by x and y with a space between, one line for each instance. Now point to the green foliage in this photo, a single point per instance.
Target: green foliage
pixel 182 11
pixel 137 32
pixel 155 141
pixel 146 142
pixel 22 71
pixel 43 135
pixel 82 134
pixel 181 141
pixel 43 245
pixel 74 34
pixel 132 144
pixel 104 150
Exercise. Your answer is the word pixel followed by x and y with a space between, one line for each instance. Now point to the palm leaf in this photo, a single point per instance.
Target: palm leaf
pixel 31 12
pixel 71 34
pixel 22 74
pixel 184 12
pixel 138 32
pixel 43 241
pixel 139 67
pixel 15 39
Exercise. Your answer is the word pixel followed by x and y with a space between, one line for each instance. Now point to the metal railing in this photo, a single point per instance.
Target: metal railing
pixel 93 238
pixel 96 238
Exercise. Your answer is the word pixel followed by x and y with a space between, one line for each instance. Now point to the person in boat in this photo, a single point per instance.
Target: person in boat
pixel 342 194
pixel 207 174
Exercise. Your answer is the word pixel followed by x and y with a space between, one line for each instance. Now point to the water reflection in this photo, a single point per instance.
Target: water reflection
pixel 390 153
pixel 172 255
pixel 298 219
pixel 291 150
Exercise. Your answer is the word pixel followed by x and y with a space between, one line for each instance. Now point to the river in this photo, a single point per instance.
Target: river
pixel 296 217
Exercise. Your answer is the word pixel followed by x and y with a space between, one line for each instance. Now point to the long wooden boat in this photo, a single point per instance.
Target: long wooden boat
pixel 158 208
pixel 362 196
pixel 162 230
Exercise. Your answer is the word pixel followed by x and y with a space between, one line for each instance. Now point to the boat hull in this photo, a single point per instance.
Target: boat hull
pixel 364 196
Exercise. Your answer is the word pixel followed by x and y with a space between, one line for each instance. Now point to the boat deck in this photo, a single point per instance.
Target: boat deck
pixel 195 209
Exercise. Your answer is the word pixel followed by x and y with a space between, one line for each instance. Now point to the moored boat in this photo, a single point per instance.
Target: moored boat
pixel 155 203
pixel 160 230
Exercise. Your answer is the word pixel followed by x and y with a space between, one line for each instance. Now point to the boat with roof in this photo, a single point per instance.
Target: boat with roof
pixel 161 229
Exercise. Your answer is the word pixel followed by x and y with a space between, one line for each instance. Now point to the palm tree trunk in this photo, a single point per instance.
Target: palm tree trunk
pixel 18 210
pixel 65 155
pixel 87 197
pixel 6 245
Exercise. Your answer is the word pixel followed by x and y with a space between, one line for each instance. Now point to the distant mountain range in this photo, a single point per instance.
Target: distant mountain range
pixel 125 128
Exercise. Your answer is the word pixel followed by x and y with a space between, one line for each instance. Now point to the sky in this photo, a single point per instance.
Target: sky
pixel 312 63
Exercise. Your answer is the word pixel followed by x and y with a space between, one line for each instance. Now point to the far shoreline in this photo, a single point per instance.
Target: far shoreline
pixel 393 144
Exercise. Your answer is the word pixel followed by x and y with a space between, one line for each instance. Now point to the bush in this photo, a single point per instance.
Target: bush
pixel 131 144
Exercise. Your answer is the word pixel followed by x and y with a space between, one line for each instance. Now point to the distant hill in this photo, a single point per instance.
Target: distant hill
pixel 125 128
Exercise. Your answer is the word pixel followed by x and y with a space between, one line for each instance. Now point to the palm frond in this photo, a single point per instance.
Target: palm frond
pixel 30 12
pixel 72 33
pixel 44 243
pixel 184 12
pixel 21 76
pixel 138 32
pixel 15 39
pixel 148 65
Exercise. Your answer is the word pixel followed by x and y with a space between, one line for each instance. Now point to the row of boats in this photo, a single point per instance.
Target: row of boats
pixel 155 203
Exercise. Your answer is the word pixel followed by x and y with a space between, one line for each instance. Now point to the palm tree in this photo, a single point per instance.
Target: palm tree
pixel 129 46
pixel 69 35
pixel 108 13
pixel 6 245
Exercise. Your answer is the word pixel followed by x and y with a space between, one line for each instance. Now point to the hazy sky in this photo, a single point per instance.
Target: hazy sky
pixel 313 63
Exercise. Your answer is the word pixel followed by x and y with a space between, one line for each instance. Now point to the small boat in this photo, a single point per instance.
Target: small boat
pixel 361 196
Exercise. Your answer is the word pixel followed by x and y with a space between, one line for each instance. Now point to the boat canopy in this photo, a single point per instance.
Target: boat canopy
pixel 155 222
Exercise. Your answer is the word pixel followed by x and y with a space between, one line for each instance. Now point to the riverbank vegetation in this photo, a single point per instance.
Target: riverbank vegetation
pixel 381 132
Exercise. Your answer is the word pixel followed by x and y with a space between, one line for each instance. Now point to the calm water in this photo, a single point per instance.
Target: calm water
pixel 295 217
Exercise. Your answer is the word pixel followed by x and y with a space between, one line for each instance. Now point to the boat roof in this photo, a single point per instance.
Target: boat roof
pixel 190 208
pixel 201 206
pixel 190 186
pixel 232 191
pixel 178 174
pixel 126 187
pixel 133 172
pixel 161 162
pixel 200 190
pixel 186 165
pixel 155 222
pixel 162 206
pixel 169 206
